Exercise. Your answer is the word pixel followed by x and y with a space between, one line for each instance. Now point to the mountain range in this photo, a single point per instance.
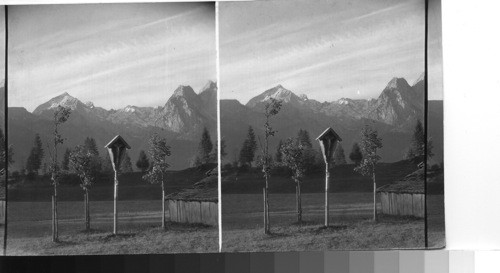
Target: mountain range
pixel 394 114
pixel 181 120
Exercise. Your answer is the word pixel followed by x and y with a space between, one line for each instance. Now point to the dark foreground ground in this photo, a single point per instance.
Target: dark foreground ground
pixel 139 229
pixel 350 218
pixel 139 219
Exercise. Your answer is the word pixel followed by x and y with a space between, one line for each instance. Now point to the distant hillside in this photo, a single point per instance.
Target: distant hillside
pixel 394 114
pixel 180 120
pixel 344 179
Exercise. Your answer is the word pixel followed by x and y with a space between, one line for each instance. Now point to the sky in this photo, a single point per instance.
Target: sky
pixel 111 54
pixel 435 51
pixel 324 49
pixel 2 42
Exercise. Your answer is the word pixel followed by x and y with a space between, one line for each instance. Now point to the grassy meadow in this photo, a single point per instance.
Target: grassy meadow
pixel 139 219
pixel 351 205
pixel 350 219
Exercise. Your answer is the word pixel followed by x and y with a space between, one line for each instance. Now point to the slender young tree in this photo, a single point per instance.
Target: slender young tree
pixel 295 158
pixel 85 164
pixel 205 147
pixel 356 156
pixel 65 161
pixel 61 115
pixel 159 152
pixel 271 109
pixel 143 162
pixel 370 142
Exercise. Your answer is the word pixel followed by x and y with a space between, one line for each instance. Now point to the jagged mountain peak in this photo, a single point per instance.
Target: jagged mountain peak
pixel 280 93
pixel 396 83
pixel 64 99
pixel 210 86
pixel 184 91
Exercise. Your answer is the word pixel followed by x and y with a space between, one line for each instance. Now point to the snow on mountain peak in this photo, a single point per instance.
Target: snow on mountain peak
pixel 129 109
pixel 343 101
pixel 420 78
pixel 279 93
pixel 65 100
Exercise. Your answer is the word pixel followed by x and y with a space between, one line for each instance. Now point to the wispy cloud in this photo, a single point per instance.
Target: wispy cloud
pixel 325 50
pixel 112 60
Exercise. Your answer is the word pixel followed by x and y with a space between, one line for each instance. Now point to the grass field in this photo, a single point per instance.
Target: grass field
pixel 29 230
pixel 350 217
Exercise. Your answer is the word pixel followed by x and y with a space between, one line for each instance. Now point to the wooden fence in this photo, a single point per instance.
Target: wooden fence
pixel 203 212
pixel 403 204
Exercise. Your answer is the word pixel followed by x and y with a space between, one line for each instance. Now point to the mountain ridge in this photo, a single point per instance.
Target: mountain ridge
pixel 181 119
pixel 393 113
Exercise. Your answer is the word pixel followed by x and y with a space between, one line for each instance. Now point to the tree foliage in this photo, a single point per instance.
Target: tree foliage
pixel 85 164
pixel 34 161
pixel 65 161
pixel 279 152
pixel 126 164
pixel 417 149
pixel 61 115
pixel 5 155
pixel 304 139
pixel 370 142
pixel 205 147
pixel 271 109
pixel 339 156
pixel 295 158
pixel 143 161
pixel 91 145
pixel 159 152
pixel 356 156
pixel 247 152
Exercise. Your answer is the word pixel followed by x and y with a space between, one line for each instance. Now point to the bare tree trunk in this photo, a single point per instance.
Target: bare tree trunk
pixel 55 233
pixel 374 197
pixel 162 205
pixel 299 203
pixel 265 210
pixel 87 211
pixel 115 210
pixel 327 204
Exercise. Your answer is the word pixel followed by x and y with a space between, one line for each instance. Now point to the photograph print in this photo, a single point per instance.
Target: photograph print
pixel 323 119
pixel 112 124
